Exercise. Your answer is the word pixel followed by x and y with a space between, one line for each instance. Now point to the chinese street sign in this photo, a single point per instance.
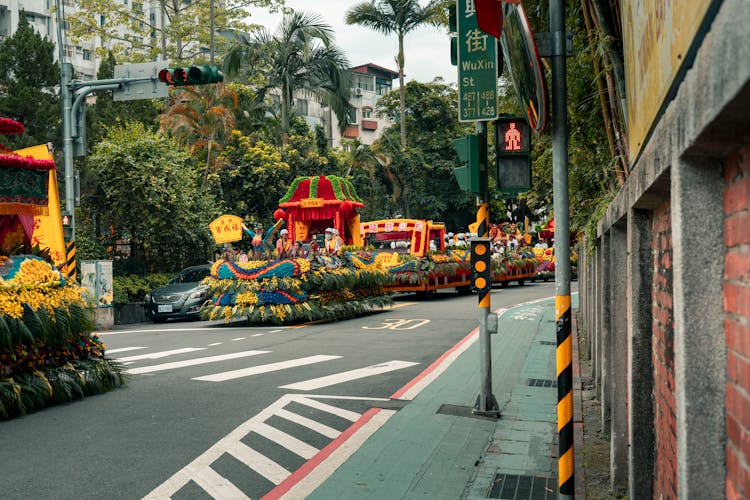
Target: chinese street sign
pixel 477 67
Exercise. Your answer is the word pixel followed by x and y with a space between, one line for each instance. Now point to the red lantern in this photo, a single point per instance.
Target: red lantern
pixel 279 214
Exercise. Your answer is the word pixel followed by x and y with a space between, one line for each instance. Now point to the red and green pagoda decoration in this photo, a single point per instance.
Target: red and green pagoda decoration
pixel 312 204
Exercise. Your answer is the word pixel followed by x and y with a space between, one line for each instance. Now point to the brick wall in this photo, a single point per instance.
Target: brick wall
pixel 665 441
pixel 737 321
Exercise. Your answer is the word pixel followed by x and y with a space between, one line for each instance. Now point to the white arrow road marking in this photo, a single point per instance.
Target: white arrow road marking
pixel 271 367
pixel 161 354
pixel 124 349
pixel 194 362
pixel 338 378
pixel 200 471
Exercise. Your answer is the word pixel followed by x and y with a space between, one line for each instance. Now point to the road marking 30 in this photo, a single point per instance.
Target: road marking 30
pixel 399 324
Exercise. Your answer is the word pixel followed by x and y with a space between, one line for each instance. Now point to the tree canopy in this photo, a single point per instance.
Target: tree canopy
pixel 134 34
pixel 152 192
pixel 398 17
pixel 301 56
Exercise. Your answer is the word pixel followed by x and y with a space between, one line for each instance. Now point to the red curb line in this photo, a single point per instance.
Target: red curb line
pixel 288 483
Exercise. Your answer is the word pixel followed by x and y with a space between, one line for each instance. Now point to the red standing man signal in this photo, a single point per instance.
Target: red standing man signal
pixel 512 138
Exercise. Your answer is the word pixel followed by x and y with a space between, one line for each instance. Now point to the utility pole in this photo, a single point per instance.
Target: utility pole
pixel 66 75
pixel 565 470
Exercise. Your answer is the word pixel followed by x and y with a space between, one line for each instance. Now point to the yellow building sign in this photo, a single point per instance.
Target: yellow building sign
pixel 657 38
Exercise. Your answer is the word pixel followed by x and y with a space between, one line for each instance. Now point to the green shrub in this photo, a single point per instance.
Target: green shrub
pixel 133 288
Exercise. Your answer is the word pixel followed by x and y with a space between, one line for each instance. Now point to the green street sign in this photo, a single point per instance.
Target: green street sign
pixel 477 67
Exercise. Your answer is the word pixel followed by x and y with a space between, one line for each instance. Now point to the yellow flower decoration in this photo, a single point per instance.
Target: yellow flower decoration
pixel 34 272
pixel 246 299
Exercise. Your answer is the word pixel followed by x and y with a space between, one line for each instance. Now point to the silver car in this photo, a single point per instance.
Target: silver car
pixel 181 298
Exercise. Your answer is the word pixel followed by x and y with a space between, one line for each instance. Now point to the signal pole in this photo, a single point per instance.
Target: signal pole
pixel 486 403
pixel 565 469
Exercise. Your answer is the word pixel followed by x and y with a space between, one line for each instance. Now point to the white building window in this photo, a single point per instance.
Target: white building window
pixel 366 113
pixel 352 114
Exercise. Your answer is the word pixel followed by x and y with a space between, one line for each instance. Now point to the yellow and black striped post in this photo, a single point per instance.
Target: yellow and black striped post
pixel 70 260
pixel 565 466
pixel 483 219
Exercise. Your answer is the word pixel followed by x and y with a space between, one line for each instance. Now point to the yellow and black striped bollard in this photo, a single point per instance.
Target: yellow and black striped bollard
pixel 565 467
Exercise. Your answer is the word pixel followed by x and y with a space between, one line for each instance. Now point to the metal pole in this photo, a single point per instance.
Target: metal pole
pixel 565 469
pixel 486 403
pixel 66 76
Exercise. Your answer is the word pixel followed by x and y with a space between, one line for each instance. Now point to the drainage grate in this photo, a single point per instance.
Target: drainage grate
pixel 515 487
pixel 542 382
pixel 547 342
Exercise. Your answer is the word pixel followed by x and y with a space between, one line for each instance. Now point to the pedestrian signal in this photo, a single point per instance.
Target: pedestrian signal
pixel 512 136
pixel 481 266
pixel 513 154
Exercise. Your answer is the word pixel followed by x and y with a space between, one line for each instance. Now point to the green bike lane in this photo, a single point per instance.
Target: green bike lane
pixel 426 443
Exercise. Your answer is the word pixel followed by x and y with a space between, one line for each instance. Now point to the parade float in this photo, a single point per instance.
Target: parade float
pixel 48 354
pixel 413 253
pixel 518 262
pixel 316 287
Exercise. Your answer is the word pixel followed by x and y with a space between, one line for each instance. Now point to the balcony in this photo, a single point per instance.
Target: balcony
pixel 351 132
pixel 369 125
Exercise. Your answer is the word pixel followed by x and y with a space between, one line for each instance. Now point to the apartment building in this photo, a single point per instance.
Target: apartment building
pixel 42 17
pixel 369 83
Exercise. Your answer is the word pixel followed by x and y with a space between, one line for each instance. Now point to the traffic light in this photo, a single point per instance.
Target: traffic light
pixel 194 75
pixel 469 176
pixel 513 154
pixel 67 225
pixel 481 268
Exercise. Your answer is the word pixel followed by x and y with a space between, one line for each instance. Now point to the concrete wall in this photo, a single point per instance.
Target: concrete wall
pixel 667 294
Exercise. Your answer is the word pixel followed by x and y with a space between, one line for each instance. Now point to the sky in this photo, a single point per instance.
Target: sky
pixel 426 49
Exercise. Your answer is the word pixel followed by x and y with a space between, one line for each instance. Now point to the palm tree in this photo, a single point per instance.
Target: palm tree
pixel 399 17
pixel 202 116
pixel 299 56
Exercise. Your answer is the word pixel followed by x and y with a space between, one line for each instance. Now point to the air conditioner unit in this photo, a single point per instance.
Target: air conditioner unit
pixel 358 91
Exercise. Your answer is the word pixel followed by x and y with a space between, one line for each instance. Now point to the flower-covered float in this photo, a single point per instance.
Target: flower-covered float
pixel 47 352
pixel 320 286
pixel 413 253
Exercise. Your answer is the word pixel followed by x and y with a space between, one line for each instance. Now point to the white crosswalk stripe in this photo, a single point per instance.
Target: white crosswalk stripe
pixel 271 367
pixel 124 349
pixel 194 362
pixel 162 354
pixel 338 378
